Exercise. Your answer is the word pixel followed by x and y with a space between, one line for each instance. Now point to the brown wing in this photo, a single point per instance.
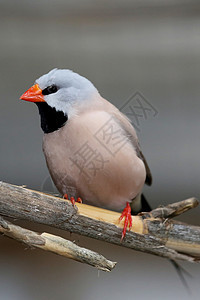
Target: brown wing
pixel 131 134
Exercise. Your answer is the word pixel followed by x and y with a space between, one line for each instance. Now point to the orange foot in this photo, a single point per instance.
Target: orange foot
pixel 128 219
pixel 72 199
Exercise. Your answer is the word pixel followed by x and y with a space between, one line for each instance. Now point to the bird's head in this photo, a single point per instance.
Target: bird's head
pixel 61 89
pixel 58 94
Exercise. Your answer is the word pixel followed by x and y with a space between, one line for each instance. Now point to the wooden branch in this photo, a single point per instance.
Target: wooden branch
pixel 153 233
pixel 55 244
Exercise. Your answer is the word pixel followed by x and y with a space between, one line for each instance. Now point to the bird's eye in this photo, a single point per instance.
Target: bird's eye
pixel 50 90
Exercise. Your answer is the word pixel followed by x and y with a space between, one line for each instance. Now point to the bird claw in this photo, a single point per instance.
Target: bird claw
pixel 128 219
pixel 72 199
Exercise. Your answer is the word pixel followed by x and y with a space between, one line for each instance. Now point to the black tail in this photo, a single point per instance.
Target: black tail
pixel 145 204
pixel 180 270
pixel 145 207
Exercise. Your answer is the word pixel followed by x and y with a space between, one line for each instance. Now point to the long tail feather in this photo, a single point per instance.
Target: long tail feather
pixel 145 207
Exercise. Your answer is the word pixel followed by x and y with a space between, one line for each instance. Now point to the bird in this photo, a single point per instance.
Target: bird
pixel 89 145
pixel 91 148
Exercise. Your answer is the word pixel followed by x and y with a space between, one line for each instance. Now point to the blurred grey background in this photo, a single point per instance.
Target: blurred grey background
pixel 123 47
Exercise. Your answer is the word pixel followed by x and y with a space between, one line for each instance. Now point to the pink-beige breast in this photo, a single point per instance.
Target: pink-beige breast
pixel 92 156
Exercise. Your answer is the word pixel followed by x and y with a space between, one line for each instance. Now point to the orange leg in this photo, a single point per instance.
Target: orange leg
pixel 128 219
pixel 65 196
pixel 72 199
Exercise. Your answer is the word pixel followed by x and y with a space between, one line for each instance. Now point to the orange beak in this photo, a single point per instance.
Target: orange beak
pixel 34 94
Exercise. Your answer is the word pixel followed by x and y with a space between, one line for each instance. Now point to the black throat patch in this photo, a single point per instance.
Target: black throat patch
pixel 51 120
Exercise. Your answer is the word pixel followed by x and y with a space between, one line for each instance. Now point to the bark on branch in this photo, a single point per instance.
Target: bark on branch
pixel 155 232
pixel 55 244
